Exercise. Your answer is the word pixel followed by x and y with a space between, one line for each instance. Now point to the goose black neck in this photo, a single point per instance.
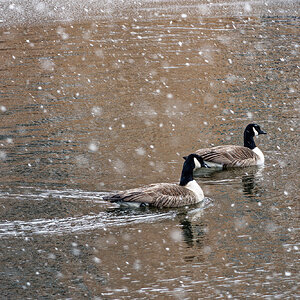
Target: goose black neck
pixel 249 140
pixel 187 172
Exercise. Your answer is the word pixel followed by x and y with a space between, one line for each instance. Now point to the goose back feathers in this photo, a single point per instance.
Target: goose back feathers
pixel 187 192
pixel 159 195
pixel 229 156
pixel 235 156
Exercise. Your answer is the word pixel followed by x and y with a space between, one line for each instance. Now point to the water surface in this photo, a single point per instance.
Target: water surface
pixel 95 103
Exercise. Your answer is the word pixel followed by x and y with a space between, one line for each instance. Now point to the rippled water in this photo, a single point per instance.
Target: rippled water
pixel 112 97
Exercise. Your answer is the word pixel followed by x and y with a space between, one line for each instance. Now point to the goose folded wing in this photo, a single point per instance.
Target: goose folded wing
pixel 230 156
pixel 157 195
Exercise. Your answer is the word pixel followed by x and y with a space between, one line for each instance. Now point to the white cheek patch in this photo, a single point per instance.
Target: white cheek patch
pixel 197 164
pixel 255 132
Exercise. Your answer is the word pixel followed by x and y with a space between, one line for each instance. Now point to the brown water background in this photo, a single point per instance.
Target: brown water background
pixel 108 96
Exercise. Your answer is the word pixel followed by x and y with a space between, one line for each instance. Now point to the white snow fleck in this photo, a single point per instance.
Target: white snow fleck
pixel 249 115
pixel 47 64
pixel 93 147
pixel 140 151
pixel 3 108
pixel 137 265
pixel 183 16
pixel 62 33
pixel 240 223
pixel 287 273
pixel 96 111
pixel 176 235
pixel 76 251
pixel 51 256
pixel 40 7
pixel 119 166
pixel 206 249
pixel 99 53
pixel 271 227
pixel 59 275
pixel 230 60
pixel 247 7
pixel 97 260
pixel 170 96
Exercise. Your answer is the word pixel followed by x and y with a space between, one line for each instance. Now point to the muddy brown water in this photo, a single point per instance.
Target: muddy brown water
pixel 109 102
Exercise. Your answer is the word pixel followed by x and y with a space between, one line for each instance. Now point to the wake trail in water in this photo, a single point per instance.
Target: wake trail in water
pixel 59 226
pixel 111 215
pixel 80 224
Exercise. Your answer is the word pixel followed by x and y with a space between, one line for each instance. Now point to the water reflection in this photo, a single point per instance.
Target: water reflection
pixel 193 234
pixel 252 182
pixel 251 178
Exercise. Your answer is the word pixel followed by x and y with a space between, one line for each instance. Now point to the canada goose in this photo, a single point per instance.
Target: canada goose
pixel 235 156
pixel 166 194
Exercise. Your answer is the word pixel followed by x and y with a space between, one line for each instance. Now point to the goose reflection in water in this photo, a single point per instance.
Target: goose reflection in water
pixel 192 228
pixel 251 182
pixel 251 177
pixel 194 235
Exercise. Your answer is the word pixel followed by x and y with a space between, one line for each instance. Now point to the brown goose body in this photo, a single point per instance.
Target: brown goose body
pixel 187 192
pixel 235 156
pixel 158 195
pixel 229 156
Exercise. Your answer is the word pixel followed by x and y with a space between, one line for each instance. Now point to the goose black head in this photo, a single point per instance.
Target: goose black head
pixel 251 131
pixel 195 161
pixel 192 162
pixel 198 161
pixel 254 130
